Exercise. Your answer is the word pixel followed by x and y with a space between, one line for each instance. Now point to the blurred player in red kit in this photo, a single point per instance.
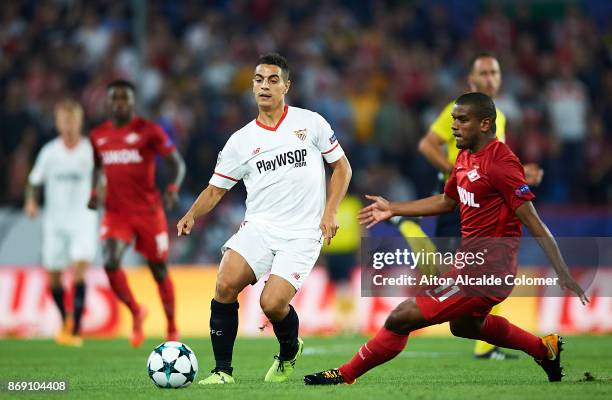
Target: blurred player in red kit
pixel 488 184
pixel 125 148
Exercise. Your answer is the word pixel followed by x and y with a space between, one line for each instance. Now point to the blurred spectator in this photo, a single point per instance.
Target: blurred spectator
pixel 568 103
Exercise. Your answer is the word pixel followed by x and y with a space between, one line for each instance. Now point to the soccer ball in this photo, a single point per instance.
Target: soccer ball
pixel 172 365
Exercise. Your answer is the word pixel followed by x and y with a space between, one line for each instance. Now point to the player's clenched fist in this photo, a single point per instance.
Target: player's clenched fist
pixel 185 224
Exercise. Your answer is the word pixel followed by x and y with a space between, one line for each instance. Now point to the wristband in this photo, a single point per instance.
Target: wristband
pixel 172 188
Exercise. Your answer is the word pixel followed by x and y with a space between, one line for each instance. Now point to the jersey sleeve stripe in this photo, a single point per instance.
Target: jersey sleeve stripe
pixel 332 149
pixel 226 177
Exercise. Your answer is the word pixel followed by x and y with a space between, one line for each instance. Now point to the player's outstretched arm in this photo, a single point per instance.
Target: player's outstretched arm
pixel 176 167
pixel 382 210
pixel 529 217
pixel 32 196
pixel 340 178
pixel 206 201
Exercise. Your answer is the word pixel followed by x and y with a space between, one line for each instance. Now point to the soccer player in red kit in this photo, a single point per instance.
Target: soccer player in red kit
pixel 488 184
pixel 125 148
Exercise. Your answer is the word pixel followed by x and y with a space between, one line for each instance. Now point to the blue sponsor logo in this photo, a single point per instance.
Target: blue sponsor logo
pixel 333 139
pixel 522 190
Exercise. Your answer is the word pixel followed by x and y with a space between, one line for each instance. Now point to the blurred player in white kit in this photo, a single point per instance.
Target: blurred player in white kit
pixel 64 167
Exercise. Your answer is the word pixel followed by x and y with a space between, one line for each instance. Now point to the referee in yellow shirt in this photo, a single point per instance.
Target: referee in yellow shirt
pixel 440 149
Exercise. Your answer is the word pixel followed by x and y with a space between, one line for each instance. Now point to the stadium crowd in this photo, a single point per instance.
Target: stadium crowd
pixel 379 72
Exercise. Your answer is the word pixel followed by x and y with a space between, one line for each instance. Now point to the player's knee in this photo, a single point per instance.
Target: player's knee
pixel 55 280
pixel 464 330
pixel 274 307
pixel 159 271
pixel 226 291
pixel 111 263
pixel 457 329
pixel 404 318
pixel 396 322
pixel 79 271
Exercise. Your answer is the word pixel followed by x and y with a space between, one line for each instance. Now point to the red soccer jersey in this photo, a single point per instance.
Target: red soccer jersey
pixel 489 185
pixel 127 154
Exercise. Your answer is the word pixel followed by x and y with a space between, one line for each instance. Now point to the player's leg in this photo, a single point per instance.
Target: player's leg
pixel 153 243
pixel 71 326
pixel 57 292
pixel 500 332
pixel 388 343
pixel 55 258
pixel 448 226
pixel 233 276
pixel 80 268
pixel 246 258
pixel 82 252
pixel 291 266
pixel 117 233
pixel 165 288
pixel 112 253
pixel 410 315
pixel 487 351
pixel 274 301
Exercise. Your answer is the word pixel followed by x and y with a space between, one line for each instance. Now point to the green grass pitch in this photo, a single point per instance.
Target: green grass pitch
pixel 429 368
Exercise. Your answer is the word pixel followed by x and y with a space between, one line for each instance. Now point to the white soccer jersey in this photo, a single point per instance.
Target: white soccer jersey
pixel 282 169
pixel 66 175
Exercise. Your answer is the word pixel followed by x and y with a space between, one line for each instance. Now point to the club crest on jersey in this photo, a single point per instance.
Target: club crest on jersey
pixel 300 134
pixel 467 198
pixel 132 138
pixel 522 190
pixel 473 175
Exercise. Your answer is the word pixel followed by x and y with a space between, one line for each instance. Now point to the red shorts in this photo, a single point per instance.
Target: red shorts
pixel 437 312
pixel 448 303
pixel 149 229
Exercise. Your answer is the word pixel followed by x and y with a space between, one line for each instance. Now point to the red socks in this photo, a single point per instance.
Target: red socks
pixel 166 293
pixel 119 284
pixel 500 332
pixel 380 349
pixel 386 345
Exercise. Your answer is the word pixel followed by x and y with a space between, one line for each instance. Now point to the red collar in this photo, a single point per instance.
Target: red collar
pixel 280 121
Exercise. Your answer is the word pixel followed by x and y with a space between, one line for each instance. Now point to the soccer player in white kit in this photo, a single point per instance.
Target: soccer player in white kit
pixel 279 157
pixel 64 166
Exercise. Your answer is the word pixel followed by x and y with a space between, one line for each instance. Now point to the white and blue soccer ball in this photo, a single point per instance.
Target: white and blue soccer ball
pixel 172 365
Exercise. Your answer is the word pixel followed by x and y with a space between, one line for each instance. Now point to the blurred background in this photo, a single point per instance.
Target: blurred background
pixel 378 71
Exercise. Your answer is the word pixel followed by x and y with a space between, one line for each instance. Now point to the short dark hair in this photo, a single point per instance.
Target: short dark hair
pixel 482 106
pixel 123 83
pixel 478 56
pixel 275 59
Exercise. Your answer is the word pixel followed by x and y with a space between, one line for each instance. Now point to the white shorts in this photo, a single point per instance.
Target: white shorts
pixel 63 245
pixel 291 259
